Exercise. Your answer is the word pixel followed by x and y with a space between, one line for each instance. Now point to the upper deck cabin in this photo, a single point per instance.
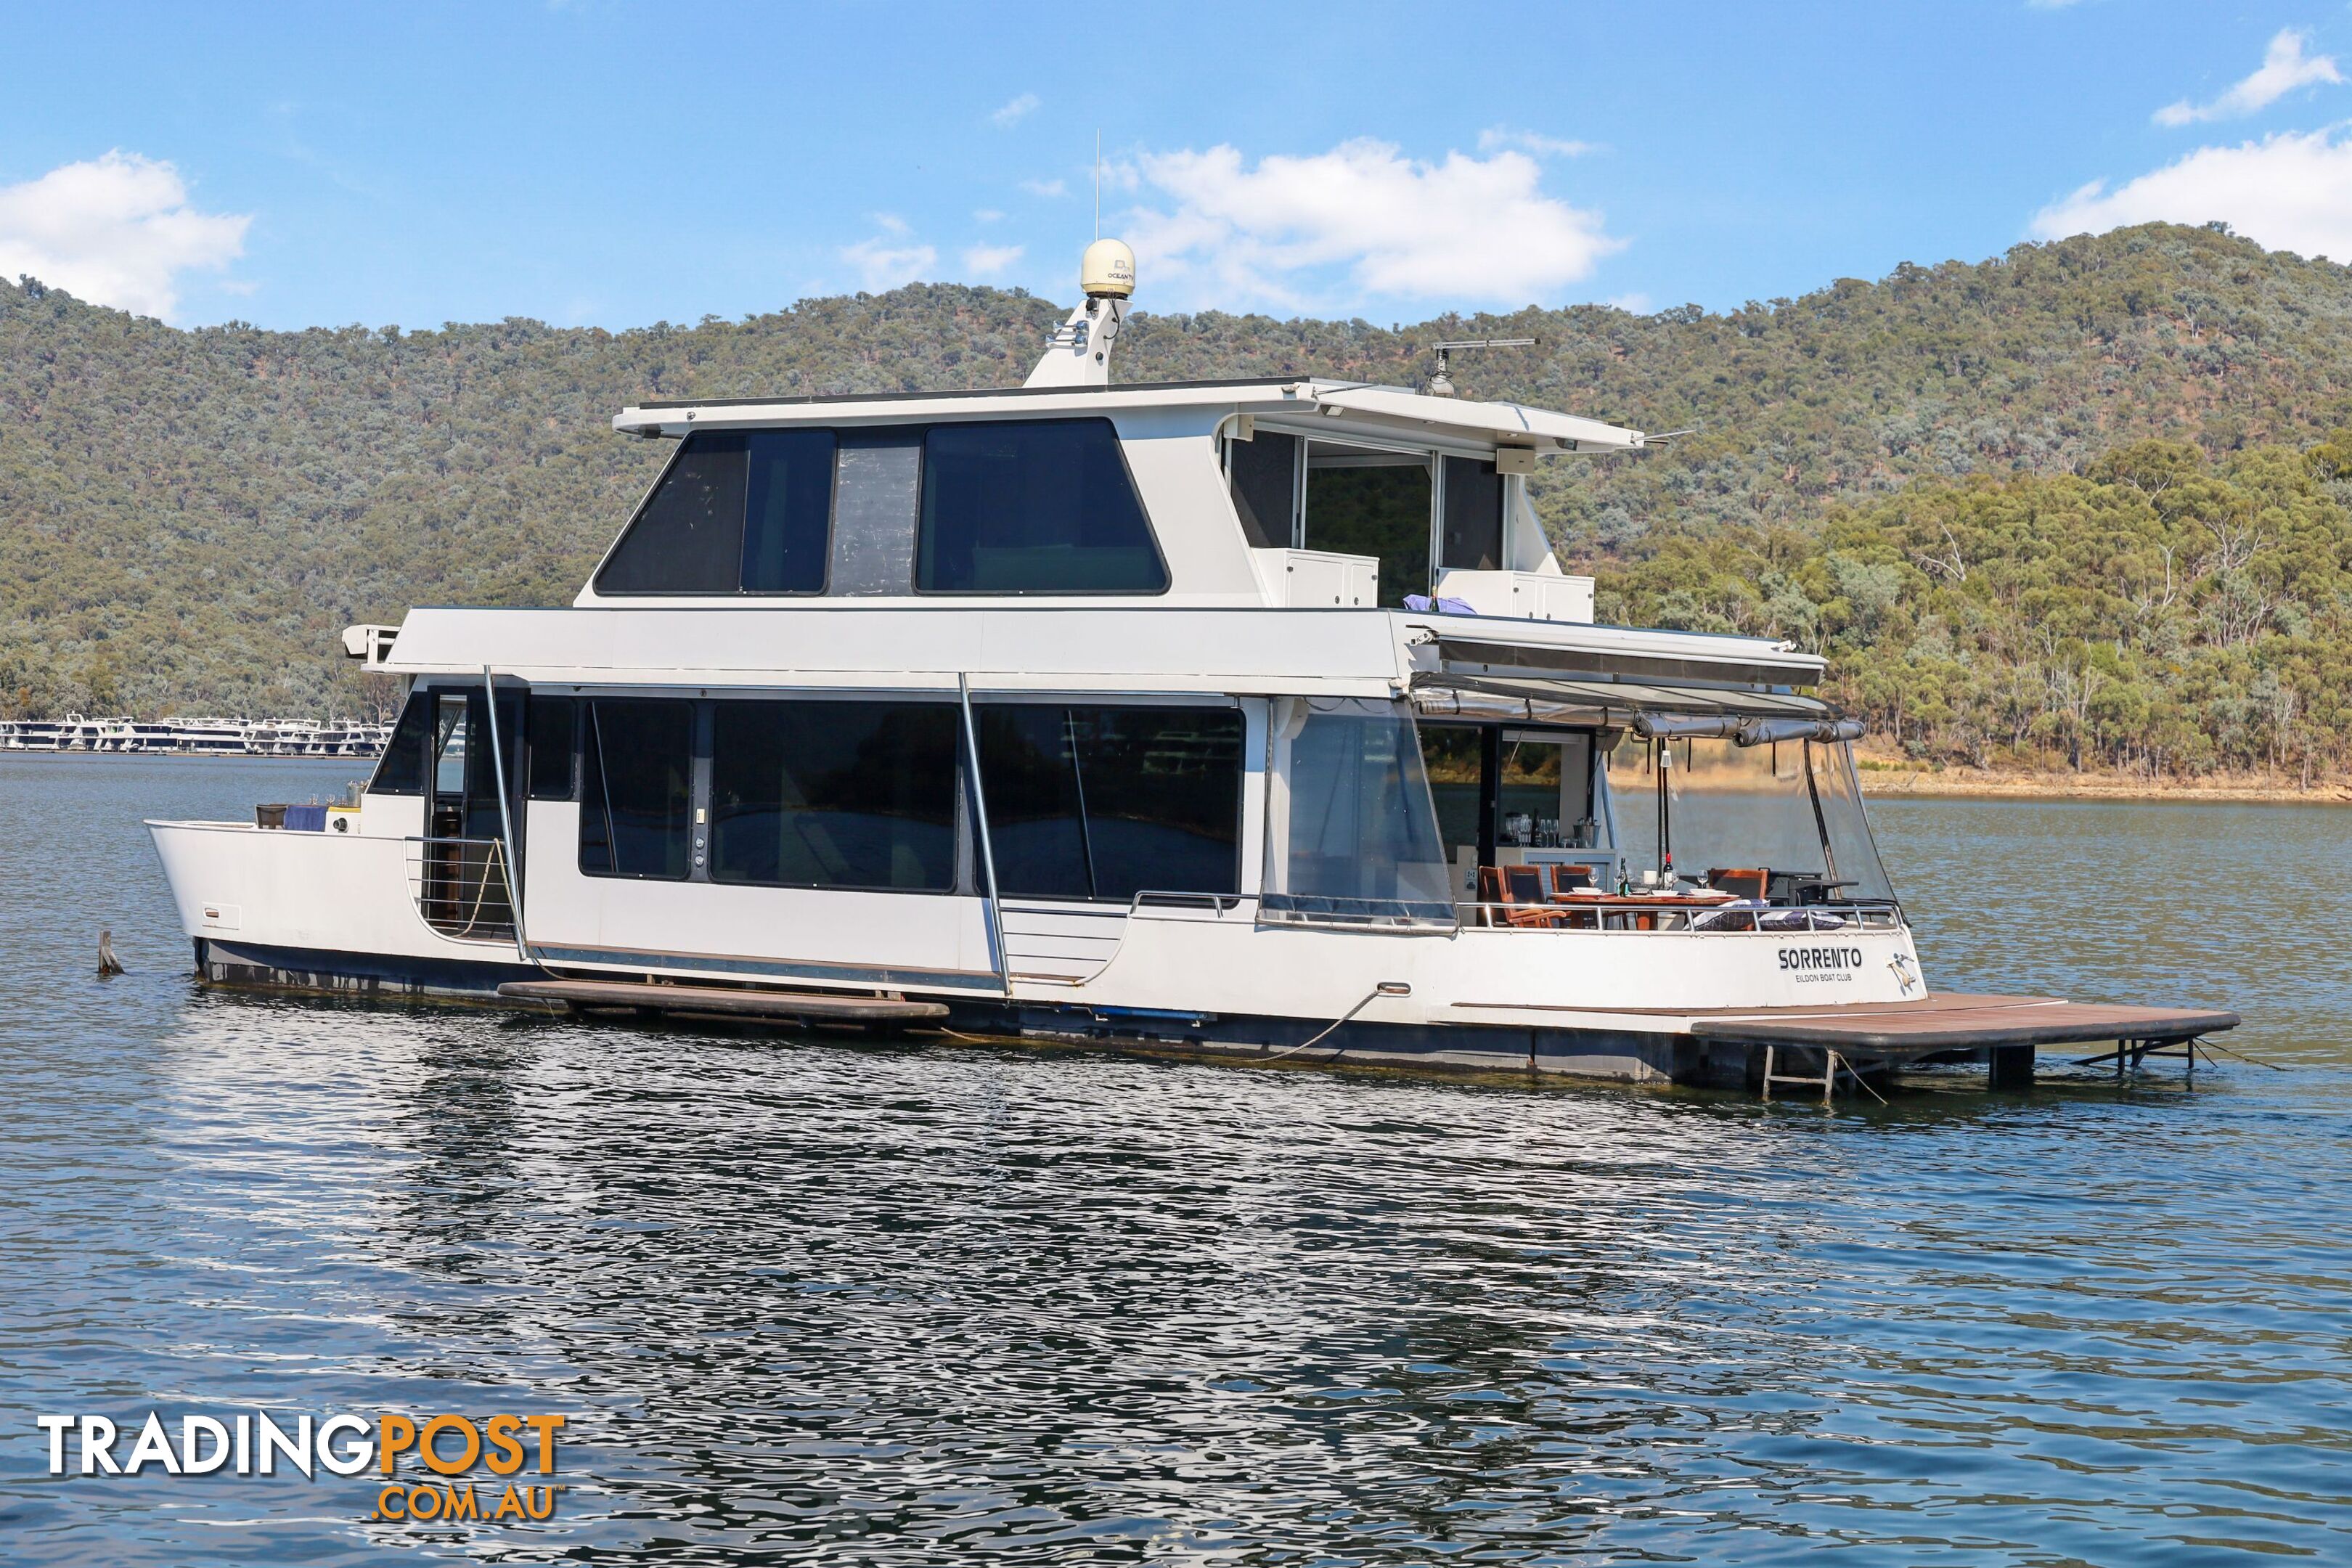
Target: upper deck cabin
pixel 1288 535
pixel 1283 492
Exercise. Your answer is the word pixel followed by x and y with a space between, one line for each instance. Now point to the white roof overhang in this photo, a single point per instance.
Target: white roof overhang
pixel 1359 406
pixel 1504 424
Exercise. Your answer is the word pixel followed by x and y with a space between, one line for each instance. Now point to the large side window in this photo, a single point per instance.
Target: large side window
pixel 737 511
pixel 401 769
pixel 1105 803
pixel 1034 507
pixel 636 787
pixel 835 793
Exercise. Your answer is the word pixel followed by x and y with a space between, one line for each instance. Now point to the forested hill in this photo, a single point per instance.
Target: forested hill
pixel 187 518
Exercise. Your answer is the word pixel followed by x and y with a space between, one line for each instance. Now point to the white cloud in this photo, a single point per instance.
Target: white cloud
pixel 2290 191
pixel 891 223
pixel 991 260
pixel 1015 112
pixel 1326 230
pixel 987 214
pixel 117 231
pixel 2284 68
pixel 1046 187
pixel 882 265
pixel 1495 138
pixel 1634 304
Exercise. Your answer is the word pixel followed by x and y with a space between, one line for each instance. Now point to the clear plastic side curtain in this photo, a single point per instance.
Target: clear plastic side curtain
pixel 1359 828
pixel 1844 821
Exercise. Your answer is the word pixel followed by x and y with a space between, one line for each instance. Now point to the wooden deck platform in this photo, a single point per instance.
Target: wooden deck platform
pixel 815 1006
pixel 1952 1020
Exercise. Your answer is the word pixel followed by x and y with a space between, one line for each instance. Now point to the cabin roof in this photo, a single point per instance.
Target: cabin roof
pixel 819 642
pixel 1504 424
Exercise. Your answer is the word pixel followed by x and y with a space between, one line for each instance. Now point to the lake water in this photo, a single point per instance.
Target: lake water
pixel 804 1300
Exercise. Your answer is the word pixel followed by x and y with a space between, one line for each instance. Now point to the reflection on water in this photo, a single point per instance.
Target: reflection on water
pixel 809 1301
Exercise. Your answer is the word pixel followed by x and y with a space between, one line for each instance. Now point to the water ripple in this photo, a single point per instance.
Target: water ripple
pixel 805 1301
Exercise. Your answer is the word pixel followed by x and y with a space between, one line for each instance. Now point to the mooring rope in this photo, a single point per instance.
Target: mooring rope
pixel 1383 989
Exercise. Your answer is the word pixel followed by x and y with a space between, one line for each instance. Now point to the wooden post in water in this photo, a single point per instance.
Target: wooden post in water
pixel 2009 1067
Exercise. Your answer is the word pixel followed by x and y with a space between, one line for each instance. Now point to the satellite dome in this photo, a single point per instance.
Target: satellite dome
pixel 1106 271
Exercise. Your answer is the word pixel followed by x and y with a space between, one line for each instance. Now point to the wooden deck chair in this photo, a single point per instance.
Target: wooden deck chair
pixel 1525 901
pixel 1567 879
pixel 1748 882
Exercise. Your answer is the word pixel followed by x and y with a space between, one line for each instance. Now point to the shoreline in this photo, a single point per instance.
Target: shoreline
pixel 1968 784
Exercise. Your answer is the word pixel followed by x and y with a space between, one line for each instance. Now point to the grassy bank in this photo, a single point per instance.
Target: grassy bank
pixel 1883 777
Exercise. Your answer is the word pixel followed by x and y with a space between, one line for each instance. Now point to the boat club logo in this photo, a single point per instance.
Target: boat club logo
pixel 428 1468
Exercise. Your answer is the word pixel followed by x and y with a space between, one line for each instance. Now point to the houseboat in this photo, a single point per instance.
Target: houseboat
pixel 1251 717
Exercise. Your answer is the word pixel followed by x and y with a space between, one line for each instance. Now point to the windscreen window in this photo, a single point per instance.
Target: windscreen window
pixel 834 794
pixel 1109 802
pixel 736 512
pixel 1036 506
pixel 636 788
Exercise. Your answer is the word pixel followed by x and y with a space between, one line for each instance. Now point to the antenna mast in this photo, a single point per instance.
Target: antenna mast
pixel 1442 384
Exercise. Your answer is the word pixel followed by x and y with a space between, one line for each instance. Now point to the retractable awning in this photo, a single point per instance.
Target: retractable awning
pixel 1750 717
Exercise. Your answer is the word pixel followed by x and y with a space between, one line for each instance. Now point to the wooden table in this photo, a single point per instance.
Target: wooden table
pixel 1642 911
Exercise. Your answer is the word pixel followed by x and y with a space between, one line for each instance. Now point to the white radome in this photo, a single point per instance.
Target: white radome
pixel 1106 271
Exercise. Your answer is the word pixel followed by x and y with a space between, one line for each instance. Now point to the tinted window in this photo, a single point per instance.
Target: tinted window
pixel 1035 831
pixel 1265 486
pixel 551 746
pixel 738 511
pixel 401 770
pixel 1474 515
pixel 636 787
pixel 1105 803
pixel 689 537
pixel 1043 507
pixel 834 794
pixel 788 507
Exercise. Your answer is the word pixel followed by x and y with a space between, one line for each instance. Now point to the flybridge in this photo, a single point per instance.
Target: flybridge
pixel 1292 492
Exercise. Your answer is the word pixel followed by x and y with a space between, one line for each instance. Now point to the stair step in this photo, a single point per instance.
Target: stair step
pixel 725 999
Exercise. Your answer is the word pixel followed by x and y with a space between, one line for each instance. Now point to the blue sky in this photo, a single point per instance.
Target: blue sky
pixel 611 163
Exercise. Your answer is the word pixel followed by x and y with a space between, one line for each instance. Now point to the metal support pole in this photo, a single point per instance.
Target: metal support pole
pixel 981 831
pixel 505 820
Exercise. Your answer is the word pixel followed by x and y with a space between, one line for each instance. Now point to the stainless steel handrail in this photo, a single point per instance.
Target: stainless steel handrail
pixel 1623 914
pixel 476 908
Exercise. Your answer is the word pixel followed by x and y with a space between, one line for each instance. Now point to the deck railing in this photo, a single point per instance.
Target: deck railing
pixel 460 887
pixel 1416 915
pixel 1660 915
